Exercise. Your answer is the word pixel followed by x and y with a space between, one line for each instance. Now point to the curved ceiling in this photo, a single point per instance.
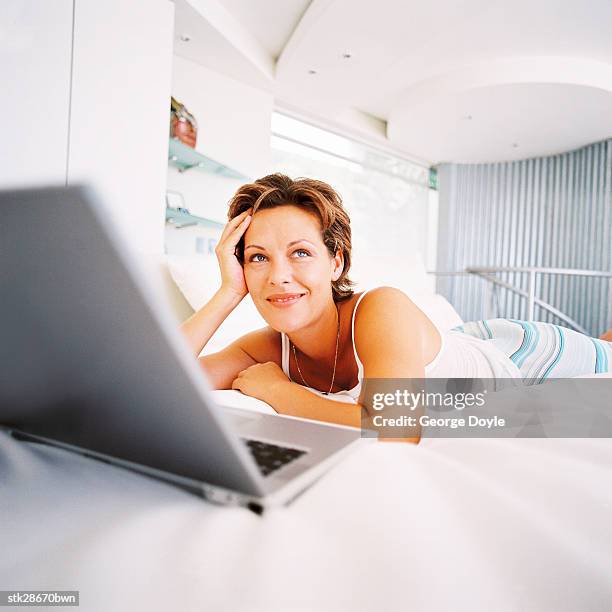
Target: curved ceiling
pixel 454 80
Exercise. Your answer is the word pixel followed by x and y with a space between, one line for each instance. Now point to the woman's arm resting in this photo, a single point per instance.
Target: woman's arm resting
pixel 250 351
pixel 294 400
pixel 200 327
pixel 267 382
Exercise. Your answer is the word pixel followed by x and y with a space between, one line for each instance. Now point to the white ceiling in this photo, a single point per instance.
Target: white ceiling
pixel 270 22
pixel 451 80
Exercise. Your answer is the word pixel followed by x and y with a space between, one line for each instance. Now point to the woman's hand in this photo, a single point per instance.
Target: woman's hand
pixel 232 274
pixel 260 380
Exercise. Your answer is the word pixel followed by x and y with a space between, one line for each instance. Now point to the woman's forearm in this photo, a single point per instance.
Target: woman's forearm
pixel 294 400
pixel 199 328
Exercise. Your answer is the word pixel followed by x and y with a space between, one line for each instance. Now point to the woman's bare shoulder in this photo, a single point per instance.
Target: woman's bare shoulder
pixel 386 317
pixel 390 306
pixel 385 298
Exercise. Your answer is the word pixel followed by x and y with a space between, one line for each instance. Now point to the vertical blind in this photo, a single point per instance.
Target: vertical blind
pixel 548 212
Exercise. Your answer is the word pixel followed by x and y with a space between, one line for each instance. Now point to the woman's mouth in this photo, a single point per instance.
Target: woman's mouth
pixel 282 300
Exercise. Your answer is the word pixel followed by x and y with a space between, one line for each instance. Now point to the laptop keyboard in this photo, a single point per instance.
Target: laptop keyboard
pixel 271 457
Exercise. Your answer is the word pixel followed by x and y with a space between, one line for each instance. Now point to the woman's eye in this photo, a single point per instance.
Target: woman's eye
pixel 301 253
pixel 255 258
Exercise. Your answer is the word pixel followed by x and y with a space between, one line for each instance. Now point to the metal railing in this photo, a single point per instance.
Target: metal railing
pixel 487 273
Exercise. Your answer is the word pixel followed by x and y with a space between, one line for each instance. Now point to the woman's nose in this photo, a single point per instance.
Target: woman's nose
pixel 280 272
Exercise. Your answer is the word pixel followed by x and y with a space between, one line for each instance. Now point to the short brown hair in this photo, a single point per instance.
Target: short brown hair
pixel 315 196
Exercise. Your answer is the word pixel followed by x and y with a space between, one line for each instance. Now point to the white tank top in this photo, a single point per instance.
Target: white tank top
pixel 460 356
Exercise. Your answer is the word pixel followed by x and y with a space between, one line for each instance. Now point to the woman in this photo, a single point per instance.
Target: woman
pixel 288 244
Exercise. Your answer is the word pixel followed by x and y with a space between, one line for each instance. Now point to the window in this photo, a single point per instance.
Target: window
pixel 385 195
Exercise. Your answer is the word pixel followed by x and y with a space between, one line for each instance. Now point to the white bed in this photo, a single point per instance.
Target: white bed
pixel 446 525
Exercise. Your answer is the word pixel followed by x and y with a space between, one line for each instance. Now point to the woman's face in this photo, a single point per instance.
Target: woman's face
pixel 287 268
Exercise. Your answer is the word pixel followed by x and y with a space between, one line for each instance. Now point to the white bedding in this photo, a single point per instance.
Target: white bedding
pixel 447 525
pixel 498 524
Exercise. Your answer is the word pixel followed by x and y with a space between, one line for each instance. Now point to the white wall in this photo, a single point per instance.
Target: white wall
pixel 35 52
pixel 234 118
pixel 234 129
pixel 86 99
pixel 120 111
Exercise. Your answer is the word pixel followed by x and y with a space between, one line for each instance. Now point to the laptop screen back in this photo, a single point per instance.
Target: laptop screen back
pixel 87 357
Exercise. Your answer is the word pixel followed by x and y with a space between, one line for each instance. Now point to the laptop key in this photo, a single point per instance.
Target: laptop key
pixel 271 457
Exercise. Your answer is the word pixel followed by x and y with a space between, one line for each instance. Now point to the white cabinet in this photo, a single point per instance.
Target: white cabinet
pixel 35 57
pixel 86 97
pixel 122 74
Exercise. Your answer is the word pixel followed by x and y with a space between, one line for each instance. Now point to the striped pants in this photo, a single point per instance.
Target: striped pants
pixel 543 350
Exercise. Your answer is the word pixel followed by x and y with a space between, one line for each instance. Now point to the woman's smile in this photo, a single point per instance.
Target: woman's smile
pixel 284 300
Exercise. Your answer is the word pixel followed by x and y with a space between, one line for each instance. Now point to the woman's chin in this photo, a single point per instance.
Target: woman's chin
pixel 283 320
pixel 285 325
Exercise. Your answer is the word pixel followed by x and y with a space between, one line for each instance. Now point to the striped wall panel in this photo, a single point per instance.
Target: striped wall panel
pixel 548 211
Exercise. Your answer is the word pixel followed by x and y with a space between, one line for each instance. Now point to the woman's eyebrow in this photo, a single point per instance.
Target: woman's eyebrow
pixel 256 246
pixel 300 240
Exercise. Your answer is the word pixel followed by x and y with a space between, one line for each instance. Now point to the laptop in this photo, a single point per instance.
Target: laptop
pixel 93 362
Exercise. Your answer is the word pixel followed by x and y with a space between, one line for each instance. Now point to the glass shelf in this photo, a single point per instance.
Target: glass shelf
pixel 179 218
pixel 183 157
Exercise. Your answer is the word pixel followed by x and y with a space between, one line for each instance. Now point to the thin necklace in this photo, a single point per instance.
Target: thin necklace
pixel 335 360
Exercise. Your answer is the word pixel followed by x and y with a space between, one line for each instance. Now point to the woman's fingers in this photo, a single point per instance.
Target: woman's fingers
pixel 234 238
pixel 232 274
pixel 230 225
pixel 228 244
pixel 235 222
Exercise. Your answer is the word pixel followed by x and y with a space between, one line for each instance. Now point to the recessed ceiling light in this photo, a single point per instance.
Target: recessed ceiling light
pixel 185 37
pixel 311 71
pixel 347 55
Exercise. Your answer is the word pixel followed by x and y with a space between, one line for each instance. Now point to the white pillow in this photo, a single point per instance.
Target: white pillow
pixel 243 319
pixel 438 309
pixel 197 276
